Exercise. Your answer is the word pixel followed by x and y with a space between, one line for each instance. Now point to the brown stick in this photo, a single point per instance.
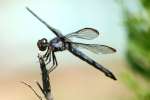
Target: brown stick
pixel 46 88
pixel 32 90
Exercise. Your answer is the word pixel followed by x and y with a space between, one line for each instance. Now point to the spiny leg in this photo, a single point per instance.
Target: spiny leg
pixel 47 52
pixel 49 56
pixel 54 62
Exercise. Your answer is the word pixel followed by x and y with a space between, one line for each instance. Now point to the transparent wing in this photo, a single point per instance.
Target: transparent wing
pixel 85 33
pixel 55 31
pixel 96 48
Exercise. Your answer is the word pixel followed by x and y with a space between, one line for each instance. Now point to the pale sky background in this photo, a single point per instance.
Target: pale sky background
pixel 19 30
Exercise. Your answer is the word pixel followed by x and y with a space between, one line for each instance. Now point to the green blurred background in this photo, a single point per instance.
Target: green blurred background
pixel 123 24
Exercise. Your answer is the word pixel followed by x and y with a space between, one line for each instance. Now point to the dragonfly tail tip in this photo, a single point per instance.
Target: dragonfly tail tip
pixel 111 76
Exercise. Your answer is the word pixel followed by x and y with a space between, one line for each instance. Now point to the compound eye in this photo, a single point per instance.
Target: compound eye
pixel 44 40
pixel 42 44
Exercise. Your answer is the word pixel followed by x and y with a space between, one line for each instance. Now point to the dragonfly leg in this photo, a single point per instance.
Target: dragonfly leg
pixel 47 52
pixel 54 63
pixel 55 59
pixel 50 70
pixel 49 56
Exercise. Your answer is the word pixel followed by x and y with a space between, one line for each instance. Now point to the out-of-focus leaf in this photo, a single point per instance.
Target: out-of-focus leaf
pixel 138 30
pixel 146 3
pixel 137 26
pixel 140 91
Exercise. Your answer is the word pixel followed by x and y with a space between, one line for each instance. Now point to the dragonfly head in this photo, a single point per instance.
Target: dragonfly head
pixel 42 44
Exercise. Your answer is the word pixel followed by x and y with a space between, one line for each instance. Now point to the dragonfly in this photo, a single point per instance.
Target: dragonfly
pixel 63 42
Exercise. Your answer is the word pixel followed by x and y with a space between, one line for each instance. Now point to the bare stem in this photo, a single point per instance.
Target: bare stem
pixel 32 90
pixel 46 88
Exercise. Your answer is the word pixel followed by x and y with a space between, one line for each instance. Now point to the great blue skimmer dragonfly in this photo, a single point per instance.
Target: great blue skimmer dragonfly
pixel 61 43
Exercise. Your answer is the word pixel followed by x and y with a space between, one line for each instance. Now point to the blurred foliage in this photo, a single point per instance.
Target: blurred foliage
pixel 137 25
pixel 141 92
pixel 146 3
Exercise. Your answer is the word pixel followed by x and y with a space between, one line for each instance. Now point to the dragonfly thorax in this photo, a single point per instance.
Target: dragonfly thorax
pixel 57 44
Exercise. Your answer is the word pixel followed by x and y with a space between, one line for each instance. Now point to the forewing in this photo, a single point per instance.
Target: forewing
pixel 85 33
pixel 96 48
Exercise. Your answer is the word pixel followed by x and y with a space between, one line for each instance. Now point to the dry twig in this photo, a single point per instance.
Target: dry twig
pixel 32 90
pixel 45 88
